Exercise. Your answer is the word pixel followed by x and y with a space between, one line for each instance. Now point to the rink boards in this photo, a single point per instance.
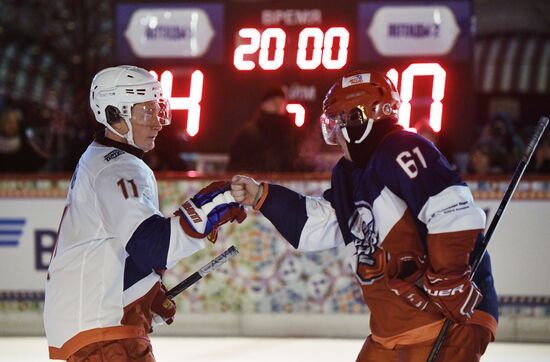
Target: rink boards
pixel 270 289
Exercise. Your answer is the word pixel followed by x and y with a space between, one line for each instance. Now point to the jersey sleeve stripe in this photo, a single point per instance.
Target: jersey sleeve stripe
pixel 452 209
pixel 321 229
pixel 388 209
pixel 286 209
pixel 181 244
pixel 149 243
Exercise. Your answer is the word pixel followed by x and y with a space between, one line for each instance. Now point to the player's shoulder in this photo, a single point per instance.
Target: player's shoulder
pixel 401 144
pixel 400 141
pixel 102 155
pixel 101 159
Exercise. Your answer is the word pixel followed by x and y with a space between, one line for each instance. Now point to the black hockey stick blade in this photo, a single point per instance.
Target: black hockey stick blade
pixel 196 276
pixel 478 256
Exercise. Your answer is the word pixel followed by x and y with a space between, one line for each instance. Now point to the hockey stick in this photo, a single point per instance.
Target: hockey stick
pixel 196 276
pixel 520 169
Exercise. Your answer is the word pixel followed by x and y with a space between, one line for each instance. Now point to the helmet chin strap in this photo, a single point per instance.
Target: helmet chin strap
pixel 363 136
pixel 129 136
pixel 361 150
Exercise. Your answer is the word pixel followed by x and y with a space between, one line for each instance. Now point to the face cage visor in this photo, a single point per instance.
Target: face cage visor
pixel 332 124
pixel 152 113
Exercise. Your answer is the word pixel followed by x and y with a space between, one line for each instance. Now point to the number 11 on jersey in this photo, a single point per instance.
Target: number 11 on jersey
pixel 124 190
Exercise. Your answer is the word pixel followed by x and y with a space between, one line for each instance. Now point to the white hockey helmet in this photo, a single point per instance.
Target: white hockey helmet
pixel 115 91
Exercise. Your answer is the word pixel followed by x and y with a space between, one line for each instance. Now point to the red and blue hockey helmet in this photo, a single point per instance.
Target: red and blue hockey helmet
pixel 358 99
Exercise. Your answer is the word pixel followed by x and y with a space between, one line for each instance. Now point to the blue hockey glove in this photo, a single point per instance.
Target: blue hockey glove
pixel 203 214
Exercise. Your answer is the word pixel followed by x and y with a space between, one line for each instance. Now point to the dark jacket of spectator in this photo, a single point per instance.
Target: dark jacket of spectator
pixel 269 142
pixel 504 144
pixel 18 153
pixel 540 162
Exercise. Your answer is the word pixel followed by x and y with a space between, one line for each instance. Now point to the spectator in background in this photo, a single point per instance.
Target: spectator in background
pixel 541 159
pixel 480 161
pixel 424 129
pixel 504 145
pixel 269 142
pixel 18 152
pixel 166 155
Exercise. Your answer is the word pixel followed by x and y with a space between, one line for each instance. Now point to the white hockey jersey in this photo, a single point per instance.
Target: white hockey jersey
pixel 112 239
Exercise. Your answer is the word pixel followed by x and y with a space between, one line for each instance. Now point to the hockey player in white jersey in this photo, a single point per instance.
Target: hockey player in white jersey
pixel 104 288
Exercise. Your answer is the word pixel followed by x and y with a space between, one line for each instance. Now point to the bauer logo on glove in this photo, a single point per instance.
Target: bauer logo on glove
pixel 203 214
pixel 455 294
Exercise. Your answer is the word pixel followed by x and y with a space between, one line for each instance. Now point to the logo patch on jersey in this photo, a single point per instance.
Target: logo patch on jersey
pixel 363 228
pixel 365 239
pixel 112 155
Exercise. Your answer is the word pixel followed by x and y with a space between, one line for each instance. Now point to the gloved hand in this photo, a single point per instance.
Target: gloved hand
pixel 163 307
pixel 413 295
pixel 371 268
pixel 404 271
pixel 455 294
pixel 203 214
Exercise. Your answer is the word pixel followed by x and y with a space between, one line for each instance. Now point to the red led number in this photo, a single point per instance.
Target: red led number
pixel 191 104
pixel 299 111
pixel 407 80
pixel 305 35
pixel 323 44
pixel 342 56
pixel 279 36
pixel 250 48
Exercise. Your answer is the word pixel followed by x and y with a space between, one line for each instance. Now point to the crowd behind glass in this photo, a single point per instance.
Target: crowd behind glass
pixel 27 146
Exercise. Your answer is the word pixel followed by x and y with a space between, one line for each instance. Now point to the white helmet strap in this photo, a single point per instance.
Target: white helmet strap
pixel 129 136
pixel 365 134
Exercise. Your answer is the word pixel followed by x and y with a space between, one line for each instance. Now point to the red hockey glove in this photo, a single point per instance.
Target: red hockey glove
pixel 413 295
pixel 203 214
pixel 403 272
pixel 371 268
pixel 162 306
pixel 455 294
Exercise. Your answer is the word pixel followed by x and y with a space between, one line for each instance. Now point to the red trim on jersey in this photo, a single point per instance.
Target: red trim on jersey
pixel 261 201
pixel 136 323
pixel 449 253
pixel 84 338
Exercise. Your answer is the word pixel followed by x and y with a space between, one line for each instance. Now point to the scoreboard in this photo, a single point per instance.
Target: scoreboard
pixel 214 59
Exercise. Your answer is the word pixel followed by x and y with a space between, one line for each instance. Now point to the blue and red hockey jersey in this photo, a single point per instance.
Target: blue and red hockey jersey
pixel 407 199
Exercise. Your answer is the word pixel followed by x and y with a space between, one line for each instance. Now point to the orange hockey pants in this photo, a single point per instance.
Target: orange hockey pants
pixel 120 350
pixel 464 343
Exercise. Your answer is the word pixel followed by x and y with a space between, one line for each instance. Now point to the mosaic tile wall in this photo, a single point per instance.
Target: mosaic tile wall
pixel 268 276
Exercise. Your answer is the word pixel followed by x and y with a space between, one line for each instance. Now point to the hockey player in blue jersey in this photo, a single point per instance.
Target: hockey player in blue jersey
pixel 407 220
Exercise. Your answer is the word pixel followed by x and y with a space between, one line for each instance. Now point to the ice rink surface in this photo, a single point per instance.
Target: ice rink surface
pixel 172 349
